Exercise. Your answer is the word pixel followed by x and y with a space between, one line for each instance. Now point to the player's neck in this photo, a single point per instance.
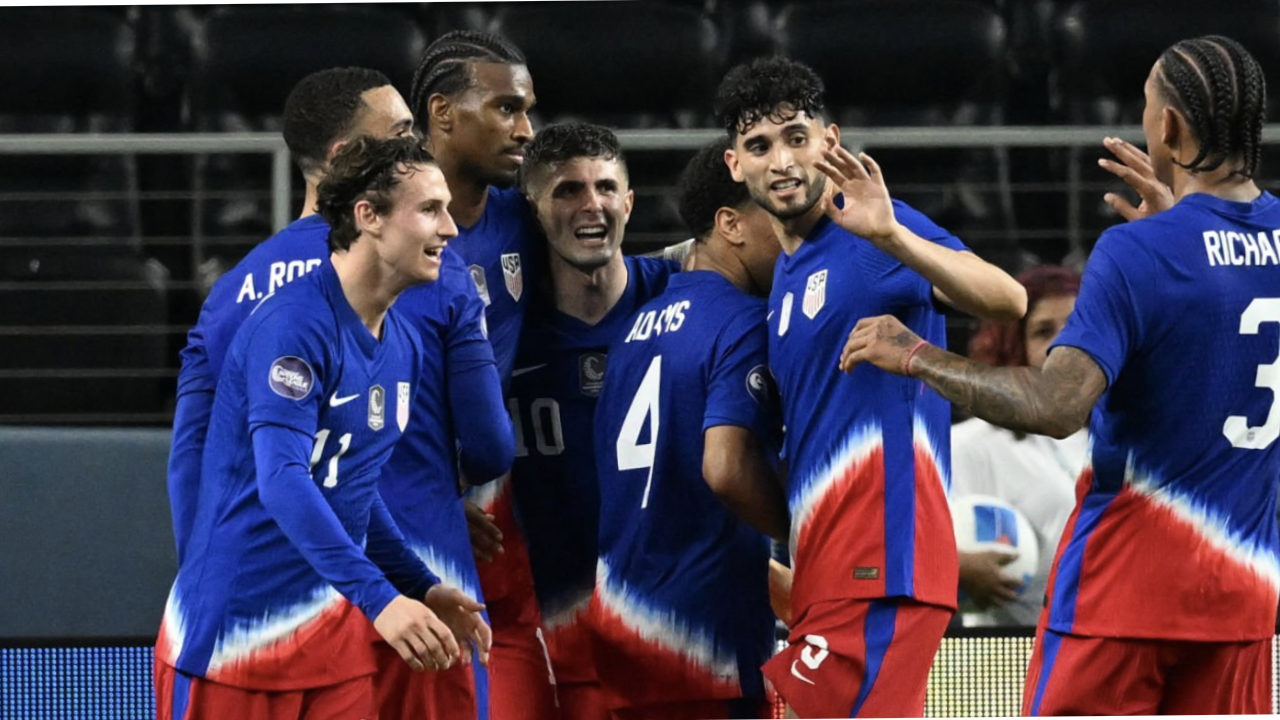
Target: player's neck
pixel 711 256
pixel 587 295
pixel 310 199
pixel 469 194
pixel 369 290
pixel 1219 183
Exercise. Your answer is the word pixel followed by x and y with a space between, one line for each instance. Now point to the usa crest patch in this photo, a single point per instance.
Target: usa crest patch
pixel 512 274
pixel 815 294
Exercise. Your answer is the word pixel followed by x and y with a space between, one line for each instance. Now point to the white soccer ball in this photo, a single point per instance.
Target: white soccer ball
pixel 983 523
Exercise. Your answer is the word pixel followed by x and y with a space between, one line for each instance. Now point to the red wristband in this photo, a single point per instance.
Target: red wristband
pixel 906 359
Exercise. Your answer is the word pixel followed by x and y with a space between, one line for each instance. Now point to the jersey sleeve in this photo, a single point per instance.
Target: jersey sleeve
pixel 290 496
pixel 738 389
pixel 1105 322
pixel 190 429
pixel 286 361
pixel 921 225
pixel 387 548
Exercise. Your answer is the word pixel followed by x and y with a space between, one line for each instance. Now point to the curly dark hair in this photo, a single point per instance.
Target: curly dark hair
pixel 366 168
pixel 706 186
pixel 562 142
pixel 321 110
pixel 777 88
pixel 1219 87
pixel 1005 343
pixel 445 67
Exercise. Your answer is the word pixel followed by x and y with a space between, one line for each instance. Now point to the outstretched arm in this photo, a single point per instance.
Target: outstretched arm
pixel 960 279
pixel 1054 401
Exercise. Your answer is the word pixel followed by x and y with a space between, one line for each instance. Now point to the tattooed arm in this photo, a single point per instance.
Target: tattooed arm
pixel 1054 401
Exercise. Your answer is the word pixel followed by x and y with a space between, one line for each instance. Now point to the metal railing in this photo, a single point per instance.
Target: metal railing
pixel 187 286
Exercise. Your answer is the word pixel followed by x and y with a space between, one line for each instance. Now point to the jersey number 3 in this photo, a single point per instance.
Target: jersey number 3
pixel 1236 428
pixel 632 454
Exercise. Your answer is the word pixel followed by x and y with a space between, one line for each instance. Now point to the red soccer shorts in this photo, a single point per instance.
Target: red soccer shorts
pixel 182 697
pixel 860 658
pixel 1074 675
pixel 403 693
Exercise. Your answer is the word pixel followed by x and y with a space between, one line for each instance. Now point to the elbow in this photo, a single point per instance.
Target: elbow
pixel 1065 424
pixel 1011 306
pixel 488 458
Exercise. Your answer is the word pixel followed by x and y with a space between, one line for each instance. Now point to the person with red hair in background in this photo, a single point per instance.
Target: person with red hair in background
pixel 1036 474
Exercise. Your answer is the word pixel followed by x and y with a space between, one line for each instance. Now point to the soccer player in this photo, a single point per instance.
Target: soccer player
pixel 472 94
pixel 872 545
pixel 292 548
pixel 324 111
pixel 576 179
pixel 686 440
pixel 1163 593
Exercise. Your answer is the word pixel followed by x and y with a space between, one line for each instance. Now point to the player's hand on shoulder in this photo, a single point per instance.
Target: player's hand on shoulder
pixel 417 634
pixel 461 614
pixel 882 341
pixel 1134 167
pixel 983 580
pixel 486 538
pixel 868 209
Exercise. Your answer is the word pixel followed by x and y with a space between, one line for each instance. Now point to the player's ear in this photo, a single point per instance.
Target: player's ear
pixel 831 136
pixel 1172 128
pixel 440 112
pixel 627 201
pixel 735 169
pixel 368 221
pixel 729 226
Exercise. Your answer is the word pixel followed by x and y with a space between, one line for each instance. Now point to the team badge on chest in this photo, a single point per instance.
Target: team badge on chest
pixel 815 294
pixel 511 273
pixel 591 368
pixel 403 396
pixel 377 407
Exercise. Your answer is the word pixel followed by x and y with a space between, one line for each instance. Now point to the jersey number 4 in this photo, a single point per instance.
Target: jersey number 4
pixel 1236 428
pixel 632 454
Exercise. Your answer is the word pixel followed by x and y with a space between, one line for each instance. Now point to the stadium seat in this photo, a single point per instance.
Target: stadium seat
pixel 245 60
pixel 928 63
pixel 100 311
pixel 68 70
pixel 1102 64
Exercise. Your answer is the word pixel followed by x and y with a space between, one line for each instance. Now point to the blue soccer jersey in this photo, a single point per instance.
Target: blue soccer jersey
pixel 286 256
pixel 1174 534
pixel 553 393
pixel 278 588
pixel 420 482
pixel 503 253
pixel 869 452
pixel 682 596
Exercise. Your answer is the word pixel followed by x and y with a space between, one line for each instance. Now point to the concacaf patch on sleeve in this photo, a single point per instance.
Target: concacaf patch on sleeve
pixel 758 384
pixel 291 377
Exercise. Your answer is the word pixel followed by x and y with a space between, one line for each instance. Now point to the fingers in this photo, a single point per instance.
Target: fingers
pixel 484 640
pixel 1003 559
pixel 410 655
pixel 445 649
pixel 486 538
pixel 1122 207
pixel 1128 153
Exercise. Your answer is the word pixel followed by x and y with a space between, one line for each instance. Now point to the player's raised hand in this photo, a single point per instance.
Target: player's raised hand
pixel 461 613
pixel 1135 169
pixel 486 538
pixel 882 341
pixel 867 211
pixel 417 634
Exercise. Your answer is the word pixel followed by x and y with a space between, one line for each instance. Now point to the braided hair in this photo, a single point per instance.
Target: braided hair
pixel 1219 87
pixel 445 65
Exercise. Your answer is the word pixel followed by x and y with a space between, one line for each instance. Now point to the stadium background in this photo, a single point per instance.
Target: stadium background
pixel 140 157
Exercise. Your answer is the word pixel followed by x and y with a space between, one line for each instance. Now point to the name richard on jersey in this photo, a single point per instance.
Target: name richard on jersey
pixel 653 323
pixel 1231 248
pixel 278 275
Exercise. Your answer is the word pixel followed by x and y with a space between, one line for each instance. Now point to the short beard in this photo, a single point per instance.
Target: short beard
pixel 815 194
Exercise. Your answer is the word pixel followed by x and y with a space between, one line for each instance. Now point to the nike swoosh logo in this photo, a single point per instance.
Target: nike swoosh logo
pixel 531 368
pixel 797 674
pixel 335 401
pixel 769 316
